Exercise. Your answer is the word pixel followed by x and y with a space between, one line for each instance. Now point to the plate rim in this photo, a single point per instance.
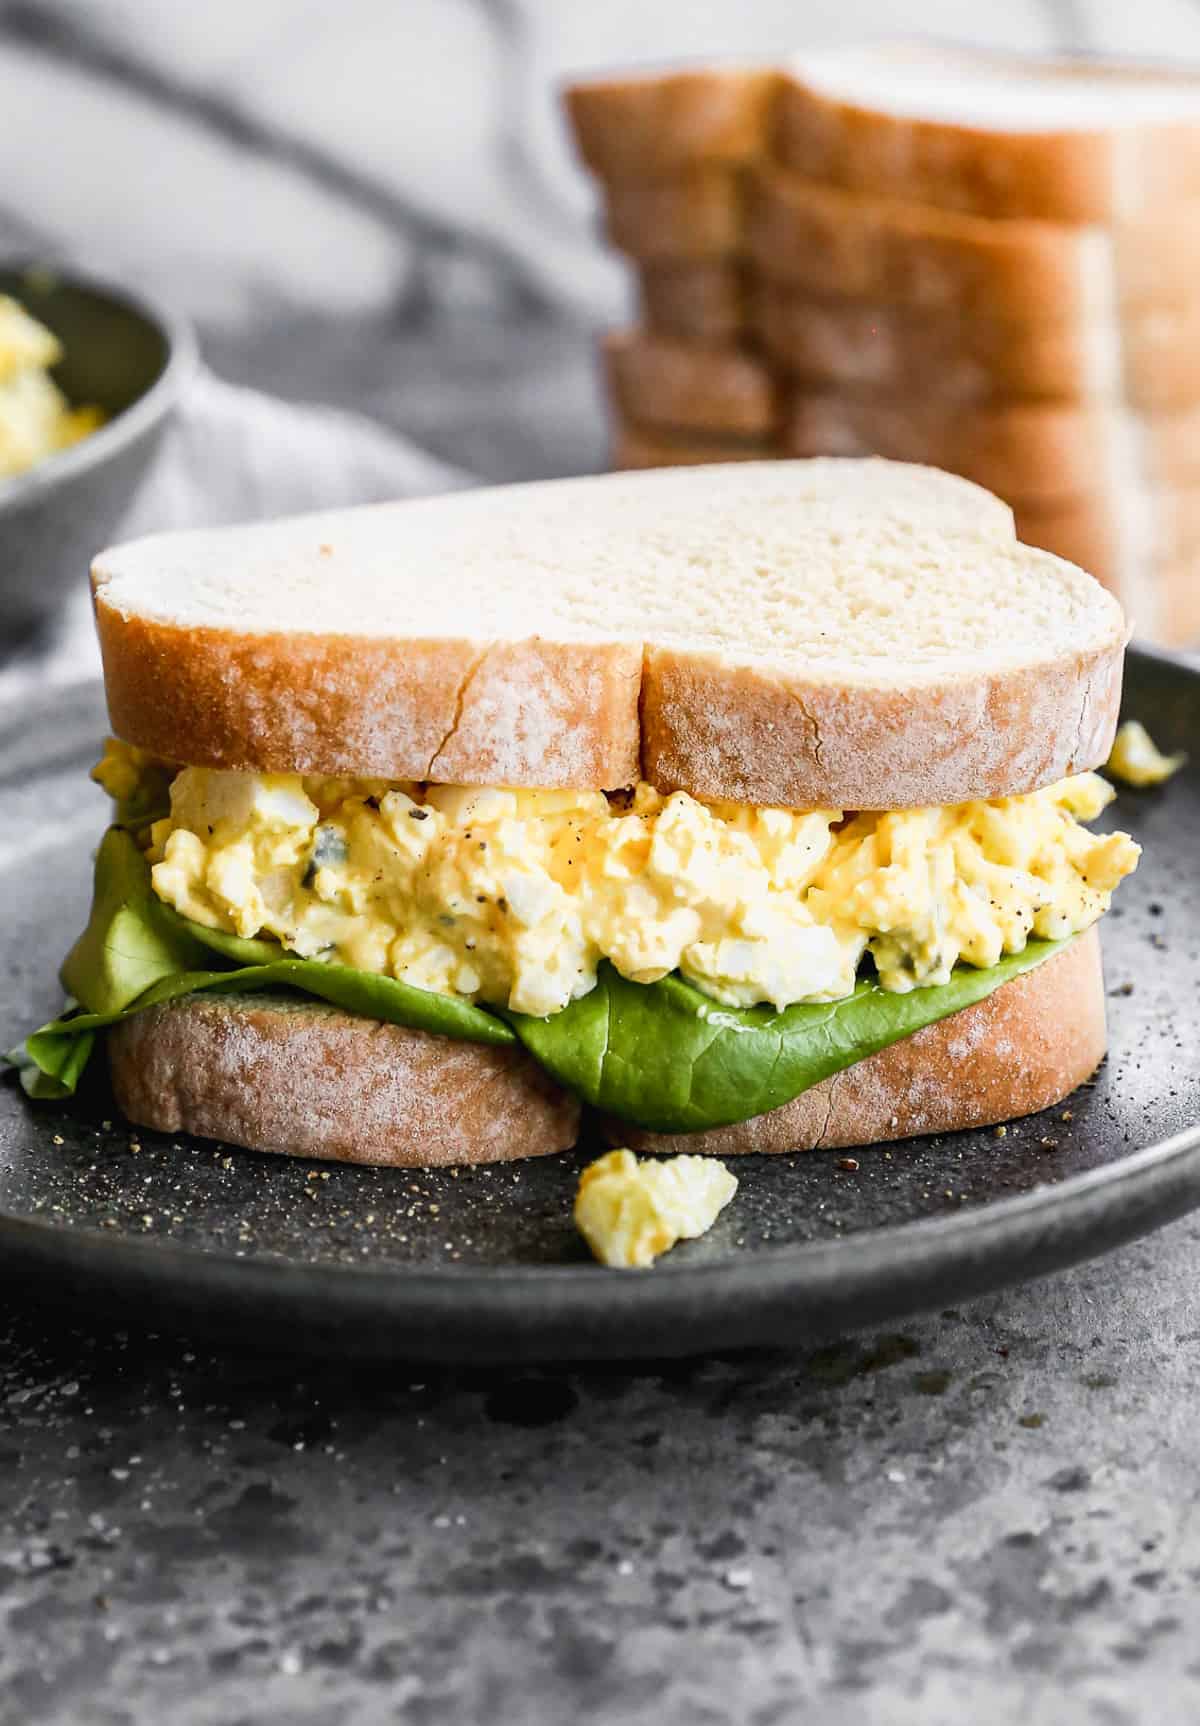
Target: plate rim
pixel 1047 1198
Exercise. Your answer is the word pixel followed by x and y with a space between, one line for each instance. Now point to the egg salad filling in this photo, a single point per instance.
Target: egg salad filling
pixel 512 898
pixel 35 417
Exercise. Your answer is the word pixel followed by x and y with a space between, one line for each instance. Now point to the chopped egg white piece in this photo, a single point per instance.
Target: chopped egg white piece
pixel 629 1211
pixel 1137 759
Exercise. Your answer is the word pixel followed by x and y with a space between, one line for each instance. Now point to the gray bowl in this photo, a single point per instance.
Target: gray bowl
pixel 132 360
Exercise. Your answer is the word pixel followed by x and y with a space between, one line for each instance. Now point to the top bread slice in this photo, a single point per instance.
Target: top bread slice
pixel 847 634
pixel 652 122
pixel 993 133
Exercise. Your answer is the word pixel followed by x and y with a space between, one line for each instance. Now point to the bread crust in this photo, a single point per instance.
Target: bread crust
pixel 704 302
pixel 308 1080
pixel 1150 363
pixel 696 214
pixel 828 242
pixel 528 712
pixel 1073 176
pixel 1022 450
pixel 658 382
pixel 1023 1048
pixel 631 126
pixel 756 735
pixel 635 446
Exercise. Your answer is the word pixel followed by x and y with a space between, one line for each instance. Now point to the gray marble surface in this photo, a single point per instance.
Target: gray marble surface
pixel 374 206
pixel 992 1514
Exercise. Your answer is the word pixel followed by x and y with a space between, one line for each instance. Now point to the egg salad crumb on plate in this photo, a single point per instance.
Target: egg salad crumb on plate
pixel 630 1212
pixel 512 898
pixel 1137 760
pixel 36 419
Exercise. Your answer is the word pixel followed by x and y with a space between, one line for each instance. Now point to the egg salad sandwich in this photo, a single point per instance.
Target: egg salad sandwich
pixel 743 808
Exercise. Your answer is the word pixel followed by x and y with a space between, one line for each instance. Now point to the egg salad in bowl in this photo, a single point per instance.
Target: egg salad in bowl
pixel 36 419
pixel 514 898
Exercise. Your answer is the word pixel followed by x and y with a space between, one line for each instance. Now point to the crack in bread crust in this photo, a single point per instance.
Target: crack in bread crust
pixel 1080 736
pixel 460 701
pixel 832 1097
pixel 536 713
pixel 818 742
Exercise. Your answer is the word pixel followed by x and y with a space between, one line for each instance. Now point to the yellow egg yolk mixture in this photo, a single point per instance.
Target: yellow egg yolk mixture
pixel 513 897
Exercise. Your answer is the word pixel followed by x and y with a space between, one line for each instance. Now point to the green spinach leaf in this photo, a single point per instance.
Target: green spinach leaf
pixel 668 1057
pixel 49 1051
pixel 137 952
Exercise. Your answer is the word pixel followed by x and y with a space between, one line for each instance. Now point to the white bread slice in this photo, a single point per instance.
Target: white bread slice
pixel 857 635
pixel 1023 1048
pixel 831 242
pixel 1149 360
pixel 302 1078
pixel 999 134
pixel 689 387
pixel 279 1073
pixel 1144 549
pixel 1046 454
pixel 702 302
pixel 696 215
pixel 654 121
pixel 635 446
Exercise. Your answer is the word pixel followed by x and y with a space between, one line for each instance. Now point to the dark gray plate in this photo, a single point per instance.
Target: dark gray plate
pixel 483 1263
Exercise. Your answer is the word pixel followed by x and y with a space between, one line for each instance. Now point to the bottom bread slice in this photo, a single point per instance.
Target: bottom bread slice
pixel 1021 1049
pixel 294 1075
pixel 303 1078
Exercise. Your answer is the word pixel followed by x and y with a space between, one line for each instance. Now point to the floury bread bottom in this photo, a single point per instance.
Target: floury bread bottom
pixel 310 1081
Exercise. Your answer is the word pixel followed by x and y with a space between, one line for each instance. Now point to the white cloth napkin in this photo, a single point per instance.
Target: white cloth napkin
pixel 234 454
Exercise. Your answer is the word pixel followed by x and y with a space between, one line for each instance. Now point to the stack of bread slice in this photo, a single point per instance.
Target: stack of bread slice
pixel 674 155
pixel 979 261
